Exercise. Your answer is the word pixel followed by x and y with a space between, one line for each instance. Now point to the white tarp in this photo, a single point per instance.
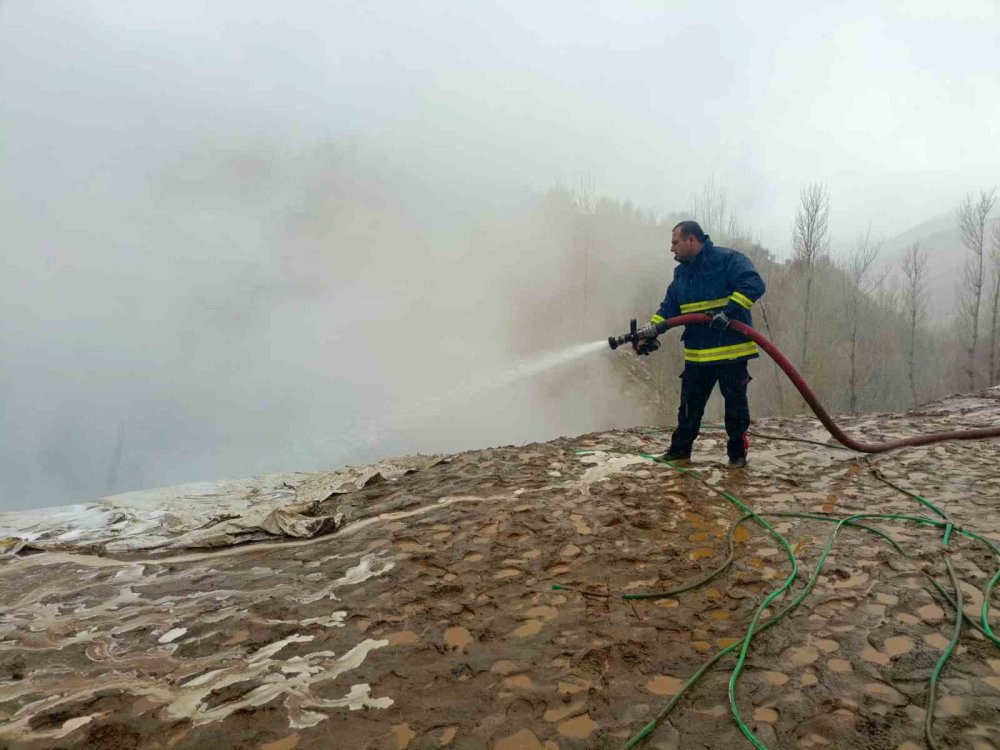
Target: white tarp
pixel 201 514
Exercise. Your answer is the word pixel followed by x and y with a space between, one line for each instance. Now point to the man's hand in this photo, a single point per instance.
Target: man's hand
pixel 647 346
pixel 720 321
pixel 648 331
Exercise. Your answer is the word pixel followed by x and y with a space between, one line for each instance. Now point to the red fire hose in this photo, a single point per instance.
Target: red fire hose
pixel 817 407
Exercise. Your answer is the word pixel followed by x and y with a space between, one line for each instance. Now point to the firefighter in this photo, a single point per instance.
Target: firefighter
pixel 723 283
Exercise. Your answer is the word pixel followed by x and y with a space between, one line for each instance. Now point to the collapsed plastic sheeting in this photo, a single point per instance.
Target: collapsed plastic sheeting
pixel 201 514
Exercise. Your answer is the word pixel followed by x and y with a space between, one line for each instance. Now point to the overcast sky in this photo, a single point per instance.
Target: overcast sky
pixel 145 282
pixel 893 104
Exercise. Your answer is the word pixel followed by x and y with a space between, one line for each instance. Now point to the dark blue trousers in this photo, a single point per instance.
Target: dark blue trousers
pixel 697 382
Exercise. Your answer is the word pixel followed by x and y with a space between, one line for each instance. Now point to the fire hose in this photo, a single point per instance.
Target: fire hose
pixel 803 388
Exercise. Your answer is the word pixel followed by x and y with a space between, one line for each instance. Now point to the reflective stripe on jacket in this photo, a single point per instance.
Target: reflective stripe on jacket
pixel 719 278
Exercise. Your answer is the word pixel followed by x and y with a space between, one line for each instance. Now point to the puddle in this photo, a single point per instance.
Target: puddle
pixel 664 685
pixel 883 692
pixel 522 681
pixel 528 629
pixel 561 712
pixel 504 667
pixel 403 638
pixel 238 637
pixel 403 735
pixel 765 715
pixel 288 743
pixel 523 740
pixel 457 637
pixel 951 705
pixel 898 645
pixel 801 657
pixel 937 641
pixel 930 613
pixel 543 612
pixel 579 727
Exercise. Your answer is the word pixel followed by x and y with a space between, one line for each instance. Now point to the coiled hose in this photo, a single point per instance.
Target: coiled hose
pixel 758 625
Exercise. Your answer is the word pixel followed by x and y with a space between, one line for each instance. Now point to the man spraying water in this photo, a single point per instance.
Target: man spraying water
pixel 723 283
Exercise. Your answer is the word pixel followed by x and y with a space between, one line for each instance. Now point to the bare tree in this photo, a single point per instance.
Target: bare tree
pixel 972 215
pixel 712 209
pixel 859 266
pixel 914 303
pixel 811 242
pixel 994 301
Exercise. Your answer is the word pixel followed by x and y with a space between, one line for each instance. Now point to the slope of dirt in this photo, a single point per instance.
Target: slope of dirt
pixel 428 618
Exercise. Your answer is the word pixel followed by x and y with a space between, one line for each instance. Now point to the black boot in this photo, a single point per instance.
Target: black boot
pixel 672 455
pixel 737 462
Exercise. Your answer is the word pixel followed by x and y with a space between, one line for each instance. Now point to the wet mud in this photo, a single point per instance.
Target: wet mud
pixel 428 619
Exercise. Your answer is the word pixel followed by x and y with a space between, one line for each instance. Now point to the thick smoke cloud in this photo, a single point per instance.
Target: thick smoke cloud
pixel 242 238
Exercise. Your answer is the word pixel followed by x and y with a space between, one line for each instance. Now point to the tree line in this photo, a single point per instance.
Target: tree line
pixel 856 326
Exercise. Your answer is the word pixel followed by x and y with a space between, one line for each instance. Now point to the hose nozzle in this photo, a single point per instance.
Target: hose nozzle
pixel 633 337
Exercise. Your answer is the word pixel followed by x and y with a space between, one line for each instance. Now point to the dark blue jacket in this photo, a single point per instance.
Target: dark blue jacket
pixel 718 278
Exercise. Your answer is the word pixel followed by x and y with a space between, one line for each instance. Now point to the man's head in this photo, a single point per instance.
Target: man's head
pixel 687 241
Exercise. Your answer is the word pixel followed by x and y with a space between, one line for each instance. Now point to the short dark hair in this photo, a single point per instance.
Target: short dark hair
pixel 689 228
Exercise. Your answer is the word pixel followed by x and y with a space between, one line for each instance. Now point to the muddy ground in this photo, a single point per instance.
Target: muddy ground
pixel 429 619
